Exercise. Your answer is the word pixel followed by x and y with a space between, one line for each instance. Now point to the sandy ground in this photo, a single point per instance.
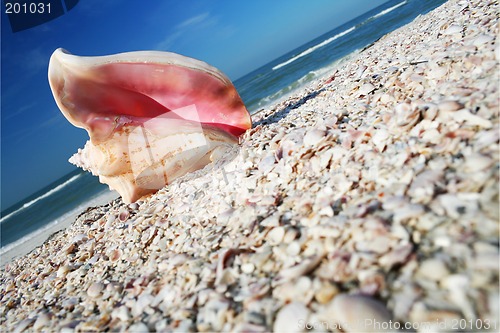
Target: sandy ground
pixel 366 202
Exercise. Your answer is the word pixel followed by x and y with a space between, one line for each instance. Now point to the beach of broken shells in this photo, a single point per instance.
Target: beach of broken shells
pixel 369 198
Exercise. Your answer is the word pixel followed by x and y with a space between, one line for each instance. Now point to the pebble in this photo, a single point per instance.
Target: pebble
pixel 291 318
pixel 453 29
pixel 121 313
pixel 138 328
pixel 41 321
pixel 449 106
pixel 366 89
pixel 248 268
pixel 326 292
pixel 23 325
pixel 358 313
pixel 95 289
pixel 276 235
pixel 482 39
pixel 477 162
pixel 313 137
pixel 267 164
pixel 433 269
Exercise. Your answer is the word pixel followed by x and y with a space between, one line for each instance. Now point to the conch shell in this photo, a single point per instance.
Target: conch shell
pixel 151 116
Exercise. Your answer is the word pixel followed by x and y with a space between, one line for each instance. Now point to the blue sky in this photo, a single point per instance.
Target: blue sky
pixel 234 36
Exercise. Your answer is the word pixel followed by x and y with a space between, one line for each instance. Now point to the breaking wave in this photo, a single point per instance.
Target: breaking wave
pixel 28 204
pixel 314 48
pixel 388 10
pixel 337 36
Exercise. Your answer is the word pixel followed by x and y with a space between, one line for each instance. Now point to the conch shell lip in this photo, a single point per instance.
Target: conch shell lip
pixel 90 90
pixel 73 62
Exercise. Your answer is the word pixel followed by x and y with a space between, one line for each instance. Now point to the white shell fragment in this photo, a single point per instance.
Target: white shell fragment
pixel 291 318
pixel 355 313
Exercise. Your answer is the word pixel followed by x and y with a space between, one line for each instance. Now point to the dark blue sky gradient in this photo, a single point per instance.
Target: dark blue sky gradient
pixel 235 36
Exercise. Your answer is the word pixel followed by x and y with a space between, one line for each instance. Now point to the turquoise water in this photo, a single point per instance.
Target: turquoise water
pixel 258 89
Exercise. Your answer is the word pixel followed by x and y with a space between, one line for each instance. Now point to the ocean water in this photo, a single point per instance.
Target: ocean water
pixel 50 205
pixel 281 77
pixel 258 89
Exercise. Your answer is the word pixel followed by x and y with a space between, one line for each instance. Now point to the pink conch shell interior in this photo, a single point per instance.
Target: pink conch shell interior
pixel 151 116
